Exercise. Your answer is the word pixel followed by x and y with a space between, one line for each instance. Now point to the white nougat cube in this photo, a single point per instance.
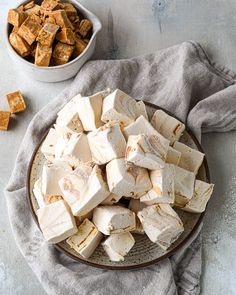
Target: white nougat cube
pixel 111 199
pixel 86 240
pixel 119 106
pixel 48 146
pixel 161 224
pixel 70 105
pixel 184 186
pixel 95 192
pixel 118 245
pixel 140 126
pixel 107 143
pixel 191 159
pixel 37 190
pixel 173 156
pixel 74 149
pixel 51 174
pixel 126 179
pixel 167 125
pixel 56 222
pixel 90 110
pixel 73 185
pixel 147 151
pixel 136 206
pixel 70 122
pixel 113 219
pixel 201 195
pixel 163 186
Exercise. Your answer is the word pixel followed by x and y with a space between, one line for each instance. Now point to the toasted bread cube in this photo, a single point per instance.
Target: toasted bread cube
pixel 80 46
pixel 62 53
pixel 50 5
pixel 16 102
pixel 69 9
pixel 19 44
pixel 84 27
pixel 15 17
pixel 29 5
pixel 43 55
pixel 30 29
pixel 66 35
pixel 4 120
pixel 61 19
pixel 47 34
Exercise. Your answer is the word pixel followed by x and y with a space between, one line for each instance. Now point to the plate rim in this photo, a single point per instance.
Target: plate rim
pixel 120 267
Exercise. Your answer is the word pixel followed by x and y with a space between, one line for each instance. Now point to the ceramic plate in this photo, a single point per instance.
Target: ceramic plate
pixel 144 251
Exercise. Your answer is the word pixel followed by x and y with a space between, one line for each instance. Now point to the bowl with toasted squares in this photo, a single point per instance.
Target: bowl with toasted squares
pixel 122 189
pixel 50 40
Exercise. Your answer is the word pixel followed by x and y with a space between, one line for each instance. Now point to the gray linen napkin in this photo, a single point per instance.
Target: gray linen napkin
pixel 180 79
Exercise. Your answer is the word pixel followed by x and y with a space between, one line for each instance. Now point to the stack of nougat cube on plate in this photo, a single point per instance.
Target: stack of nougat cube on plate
pixel 102 150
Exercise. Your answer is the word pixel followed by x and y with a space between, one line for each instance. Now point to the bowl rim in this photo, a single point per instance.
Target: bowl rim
pixel 120 267
pixel 97 26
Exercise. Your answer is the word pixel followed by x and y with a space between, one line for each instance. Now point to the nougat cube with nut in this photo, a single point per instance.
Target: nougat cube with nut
pixel 66 35
pixel 30 29
pixel 19 44
pixel 62 53
pixel 16 102
pixel 84 27
pixel 50 5
pixel 47 34
pixel 80 46
pixel 61 19
pixel 15 17
pixel 43 55
pixel 4 120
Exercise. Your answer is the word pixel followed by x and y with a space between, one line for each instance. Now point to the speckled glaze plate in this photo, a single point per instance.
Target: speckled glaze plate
pixel 144 252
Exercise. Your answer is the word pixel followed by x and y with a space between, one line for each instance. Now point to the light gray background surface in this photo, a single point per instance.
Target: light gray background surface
pixel 135 27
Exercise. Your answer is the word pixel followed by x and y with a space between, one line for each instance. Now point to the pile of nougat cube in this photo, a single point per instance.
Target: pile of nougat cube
pixel 110 173
pixel 49 34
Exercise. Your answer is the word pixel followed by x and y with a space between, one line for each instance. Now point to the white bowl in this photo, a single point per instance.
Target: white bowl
pixel 62 72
